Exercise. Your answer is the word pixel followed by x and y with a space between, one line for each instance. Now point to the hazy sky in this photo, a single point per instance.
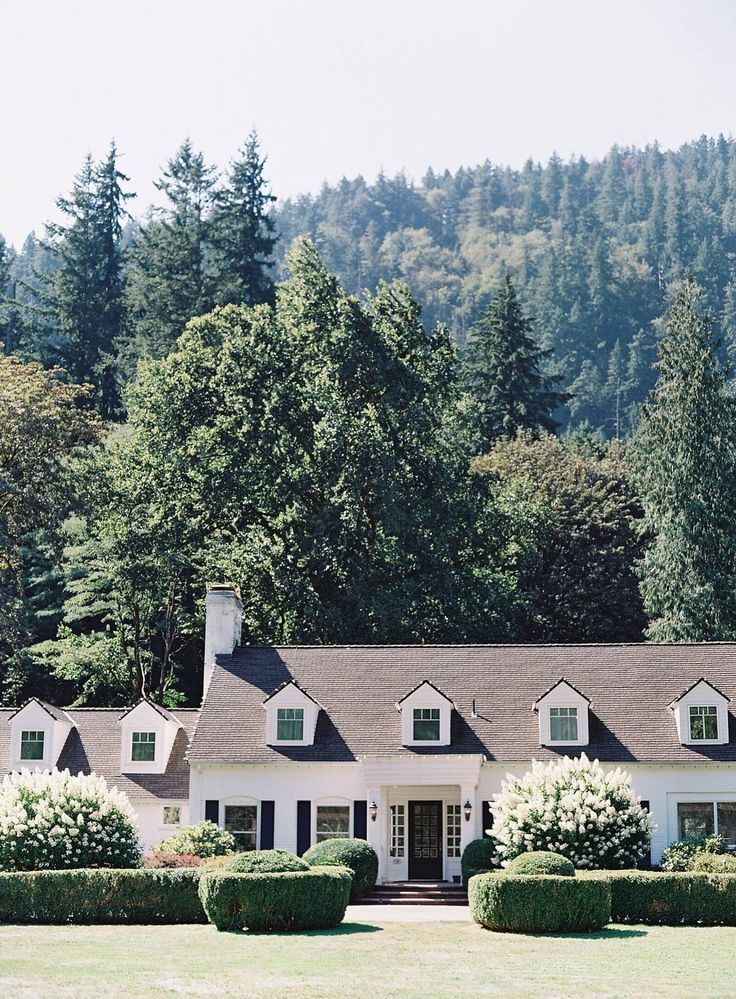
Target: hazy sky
pixel 341 87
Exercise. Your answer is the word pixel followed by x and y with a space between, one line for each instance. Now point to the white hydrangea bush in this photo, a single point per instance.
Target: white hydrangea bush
pixel 573 807
pixel 54 820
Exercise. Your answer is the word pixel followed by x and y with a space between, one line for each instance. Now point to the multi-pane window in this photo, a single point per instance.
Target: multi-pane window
pixel 143 747
pixel 290 724
pixel 426 724
pixel 333 822
pixel 453 830
pixel 707 818
pixel 398 831
pixel 242 822
pixel 172 815
pixel 703 722
pixel 31 745
pixel 563 724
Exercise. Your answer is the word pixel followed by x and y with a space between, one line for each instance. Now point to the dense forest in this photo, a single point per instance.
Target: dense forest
pixel 388 412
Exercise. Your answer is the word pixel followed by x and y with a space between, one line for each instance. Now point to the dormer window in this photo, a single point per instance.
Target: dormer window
pixel 31 744
pixel 143 747
pixel 290 724
pixel 426 724
pixel 563 724
pixel 703 722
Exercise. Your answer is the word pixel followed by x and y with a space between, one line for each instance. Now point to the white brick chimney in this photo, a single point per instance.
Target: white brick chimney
pixel 222 627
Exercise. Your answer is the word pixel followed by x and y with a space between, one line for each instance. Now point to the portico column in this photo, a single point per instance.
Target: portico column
pixel 470 830
pixel 375 828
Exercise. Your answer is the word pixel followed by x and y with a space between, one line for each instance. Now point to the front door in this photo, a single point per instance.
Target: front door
pixel 425 840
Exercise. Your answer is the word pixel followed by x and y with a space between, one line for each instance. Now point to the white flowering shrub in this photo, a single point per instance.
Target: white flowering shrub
pixel 56 821
pixel 572 807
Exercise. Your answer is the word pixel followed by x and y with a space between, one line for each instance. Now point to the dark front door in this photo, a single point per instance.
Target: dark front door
pixel 425 840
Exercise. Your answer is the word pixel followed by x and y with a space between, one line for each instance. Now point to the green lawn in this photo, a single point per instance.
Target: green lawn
pixel 366 960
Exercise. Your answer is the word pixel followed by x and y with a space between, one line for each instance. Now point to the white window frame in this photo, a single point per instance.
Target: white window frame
pixel 703 799
pixel 438 721
pixel 300 717
pixel 704 711
pixel 562 695
pixel 242 803
pixel 701 695
pixel 331 803
pixel 575 714
pixel 397 831
pixel 167 808
pixel 453 830
pixel 145 742
pixel 425 696
pixel 44 745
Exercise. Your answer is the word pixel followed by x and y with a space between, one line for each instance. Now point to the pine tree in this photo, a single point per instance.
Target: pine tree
pixel 171 277
pixel 243 231
pixel 502 372
pixel 685 453
pixel 83 297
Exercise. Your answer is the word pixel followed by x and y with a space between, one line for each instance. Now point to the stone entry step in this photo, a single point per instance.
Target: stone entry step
pixel 417 893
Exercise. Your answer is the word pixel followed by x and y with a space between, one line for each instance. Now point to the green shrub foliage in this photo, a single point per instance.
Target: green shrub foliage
pixel 265 862
pixel 715 863
pixel 681 855
pixel 478 857
pixel 205 839
pixel 57 821
pixel 541 862
pixel 355 854
pixel 287 900
pixel 539 903
pixel 661 898
pixel 101 896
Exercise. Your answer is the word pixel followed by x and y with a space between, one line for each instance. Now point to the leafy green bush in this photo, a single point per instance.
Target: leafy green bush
pixel 288 900
pixel 715 863
pixel 265 862
pixel 356 854
pixel 541 862
pixel 54 821
pixel 158 860
pixel 101 896
pixel 478 857
pixel 205 839
pixel 680 898
pixel 680 855
pixel 539 903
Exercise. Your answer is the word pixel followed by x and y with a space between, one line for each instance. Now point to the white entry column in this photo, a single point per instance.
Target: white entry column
pixel 470 829
pixel 377 826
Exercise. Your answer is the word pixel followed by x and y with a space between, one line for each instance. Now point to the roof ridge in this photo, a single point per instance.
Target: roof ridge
pixel 492 645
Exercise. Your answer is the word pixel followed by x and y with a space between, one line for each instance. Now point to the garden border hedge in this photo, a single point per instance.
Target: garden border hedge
pixel 356 854
pixel 670 898
pixel 101 895
pixel 288 900
pixel 539 903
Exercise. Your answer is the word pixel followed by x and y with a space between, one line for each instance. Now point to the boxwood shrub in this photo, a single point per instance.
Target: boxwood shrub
pixel 356 854
pixel 101 896
pixel 715 863
pixel 478 857
pixel 265 862
pixel 541 862
pixel 661 898
pixel 289 900
pixel 539 903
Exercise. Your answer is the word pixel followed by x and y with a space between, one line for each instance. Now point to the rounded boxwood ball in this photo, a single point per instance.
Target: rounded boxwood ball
pixel 356 854
pixel 479 855
pixel 541 862
pixel 265 862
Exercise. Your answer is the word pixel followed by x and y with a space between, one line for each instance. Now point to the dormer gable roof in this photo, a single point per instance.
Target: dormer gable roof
pixel 693 686
pixel 165 714
pixel 558 683
pixel 291 685
pixel 424 683
pixel 58 714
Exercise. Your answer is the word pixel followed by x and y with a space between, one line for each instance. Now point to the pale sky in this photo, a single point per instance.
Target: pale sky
pixel 341 87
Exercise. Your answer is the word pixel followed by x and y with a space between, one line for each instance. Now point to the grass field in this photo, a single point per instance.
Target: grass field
pixel 365 960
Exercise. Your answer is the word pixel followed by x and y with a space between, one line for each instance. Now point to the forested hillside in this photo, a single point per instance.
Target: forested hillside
pixel 592 249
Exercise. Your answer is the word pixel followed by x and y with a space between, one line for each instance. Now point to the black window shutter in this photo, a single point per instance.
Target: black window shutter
pixel 303 826
pixel 267 814
pixel 646 860
pixel 212 811
pixel 487 819
pixel 360 819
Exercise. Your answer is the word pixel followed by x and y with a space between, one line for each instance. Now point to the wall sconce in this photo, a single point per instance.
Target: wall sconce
pixel 373 810
pixel 467 809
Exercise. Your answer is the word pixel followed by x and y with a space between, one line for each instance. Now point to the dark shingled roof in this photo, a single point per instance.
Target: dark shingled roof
pixel 629 686
pixel 94 745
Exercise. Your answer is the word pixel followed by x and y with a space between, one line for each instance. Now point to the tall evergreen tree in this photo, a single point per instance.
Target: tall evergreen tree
pixel 686 462
pixel 171 275
pixel 503 372
pixel 83 297
pixel 243 231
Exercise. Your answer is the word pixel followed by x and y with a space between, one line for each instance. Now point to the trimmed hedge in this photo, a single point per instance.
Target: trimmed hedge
pixel 661 898
pixel 290 900
pixel 356 854
pixel 265 862
pixel 541 862
pixel 715 863
pixel 478 858
pixel 101 895
pixel 539 903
